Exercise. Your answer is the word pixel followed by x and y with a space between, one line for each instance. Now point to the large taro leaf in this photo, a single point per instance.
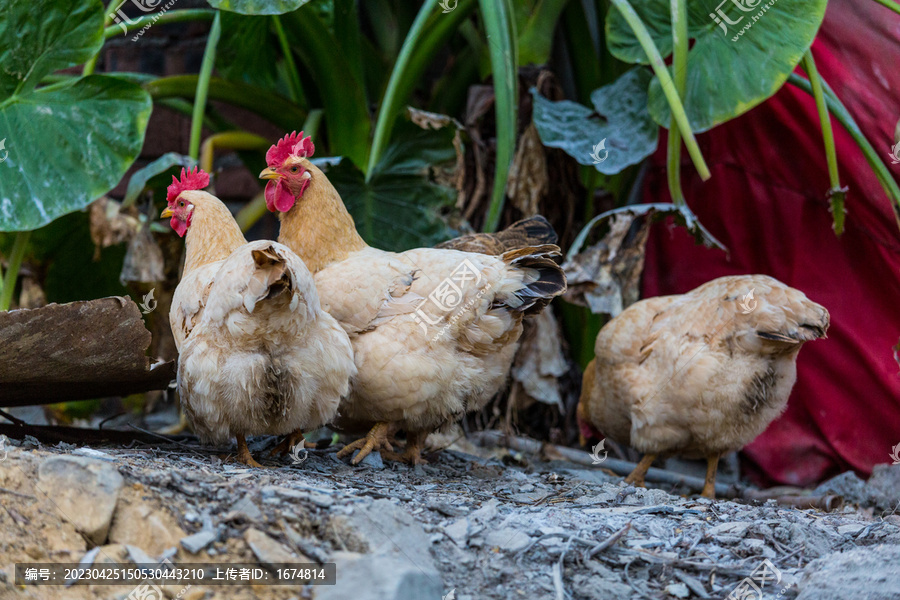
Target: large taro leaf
pixel 247 50
pixel 619 131
pixel 67 144
pixel 258 7
pixel 399 207
pixel 735 62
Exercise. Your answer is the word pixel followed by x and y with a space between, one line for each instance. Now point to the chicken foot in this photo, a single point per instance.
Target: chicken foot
pixel 287 444
pixel 709 486
pixel 415 441
pixel 243 455
pixel 636 477
pixel 376 439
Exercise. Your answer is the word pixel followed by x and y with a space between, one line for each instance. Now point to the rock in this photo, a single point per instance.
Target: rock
pixel 366 577
pixel 679 590
pixel 872 572
pixel 881 489
pixel 847 485
pixel 84 490
pixel 200 540
pixel 268 551
pixel 508 539
pixel 372 460
pixel 137 523
pixel 385 528
pixel 737 528
pixel 458 531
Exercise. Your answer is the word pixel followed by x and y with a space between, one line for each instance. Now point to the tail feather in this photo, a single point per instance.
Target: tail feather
pixel 544 278
pixel 530 232
pixel 271 277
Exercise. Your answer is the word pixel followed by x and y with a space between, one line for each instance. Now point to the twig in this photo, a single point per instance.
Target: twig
pixel 11 418
pixel 15 493
pixel 608 542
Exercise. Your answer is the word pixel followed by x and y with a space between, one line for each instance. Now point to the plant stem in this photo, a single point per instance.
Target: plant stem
pixel 500 27
pixel 232 140
pixel 91 64
pixel 294 86
pixel 665 80
pixel 836 193
pixel 276 108
pixel 206 69
pixel 12 272
pixel 890 4
pixel 172 16
pixel 843 116
pixel 386 112
pixel 679 69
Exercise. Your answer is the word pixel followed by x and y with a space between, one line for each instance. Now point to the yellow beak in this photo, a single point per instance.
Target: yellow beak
pixel 166 213
pixel 269 174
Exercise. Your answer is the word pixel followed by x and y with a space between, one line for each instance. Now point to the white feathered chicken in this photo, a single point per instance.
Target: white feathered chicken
pixel 257 355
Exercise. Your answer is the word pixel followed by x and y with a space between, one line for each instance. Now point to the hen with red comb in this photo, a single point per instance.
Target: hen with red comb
pixel 288 163
pixel 194 179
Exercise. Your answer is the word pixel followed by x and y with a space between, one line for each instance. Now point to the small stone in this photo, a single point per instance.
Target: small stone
pixel 873 571
pixel 138 523
pixel 372 460
pixel 268 551
pixel 508 539
pixel 200 540
pixel 458 531
pixel 679 590
pixel 84 490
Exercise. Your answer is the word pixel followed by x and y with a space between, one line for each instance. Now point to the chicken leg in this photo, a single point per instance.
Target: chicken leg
pixel 243 455
pixel 415 441
pixel 709 486
pixel 636 476
pixel 376 439
pixel 288 443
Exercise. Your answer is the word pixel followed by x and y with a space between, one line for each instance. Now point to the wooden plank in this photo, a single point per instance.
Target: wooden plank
pixel 76 351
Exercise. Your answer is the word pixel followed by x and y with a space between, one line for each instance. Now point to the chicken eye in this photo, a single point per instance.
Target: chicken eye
pixel 294 169
pixel 181 204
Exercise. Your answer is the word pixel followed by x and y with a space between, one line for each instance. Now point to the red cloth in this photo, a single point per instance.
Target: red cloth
pixel 766 201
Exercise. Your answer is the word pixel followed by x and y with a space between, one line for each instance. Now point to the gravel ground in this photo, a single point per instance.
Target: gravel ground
pixel 464 527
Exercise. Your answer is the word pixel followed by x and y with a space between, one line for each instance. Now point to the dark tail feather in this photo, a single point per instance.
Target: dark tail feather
pixel 533 231
pixel 274 270
pixel 549 282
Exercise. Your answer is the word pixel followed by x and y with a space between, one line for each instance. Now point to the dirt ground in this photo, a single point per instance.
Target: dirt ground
pixel 474 525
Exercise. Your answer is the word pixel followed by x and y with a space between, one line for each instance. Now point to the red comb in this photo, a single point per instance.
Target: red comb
pixel 290 145
pixel 195 179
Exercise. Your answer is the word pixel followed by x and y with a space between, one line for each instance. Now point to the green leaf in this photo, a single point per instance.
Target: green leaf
pixel 163 165
pixel 500 28
pixel 68 146
pixel 258 7
pixel 247 51
pixel 731 68
pixel 619 117
pixel 399 207
pixel 536 23
pixel 40 37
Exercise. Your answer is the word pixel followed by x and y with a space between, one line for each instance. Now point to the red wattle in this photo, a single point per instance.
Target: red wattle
pixel 284 199
pixel 179 226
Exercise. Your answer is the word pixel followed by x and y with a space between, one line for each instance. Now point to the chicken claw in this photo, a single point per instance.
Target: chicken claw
pixel 709 486
pixel 376 439
pixel 636 477
pixel 243 455
pixel 286 445
pixel 413 453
